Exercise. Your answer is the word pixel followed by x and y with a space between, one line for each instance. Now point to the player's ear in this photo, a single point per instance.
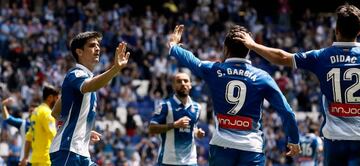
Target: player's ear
pixel 79 52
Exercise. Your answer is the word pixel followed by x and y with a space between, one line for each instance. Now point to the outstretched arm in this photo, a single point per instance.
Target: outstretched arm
pixel 120 60
pixel 274 55
pixel 184 56
pixel 5 113
pixel 279 103
pixel 16 122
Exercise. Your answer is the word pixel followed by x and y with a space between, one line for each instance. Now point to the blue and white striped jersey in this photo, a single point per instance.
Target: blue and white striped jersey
pixel 310 144
pixel 77 114
pixel 177 145
pixel 338 70
pixel 238 91
pixel 23 126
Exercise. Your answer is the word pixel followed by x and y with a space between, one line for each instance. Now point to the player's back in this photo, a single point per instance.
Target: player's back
pixel 338 70
pixel 310 145
pixel 238 92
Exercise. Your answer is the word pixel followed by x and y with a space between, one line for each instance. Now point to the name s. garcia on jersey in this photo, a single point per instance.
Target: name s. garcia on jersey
pixel 240 72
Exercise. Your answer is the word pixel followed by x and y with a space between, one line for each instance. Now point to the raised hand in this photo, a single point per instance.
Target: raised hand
pixel 7 101
pixel 121 56
pixel 175 37
pixel 246 39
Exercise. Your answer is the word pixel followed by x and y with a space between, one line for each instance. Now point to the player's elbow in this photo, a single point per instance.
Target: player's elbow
pixel 284 58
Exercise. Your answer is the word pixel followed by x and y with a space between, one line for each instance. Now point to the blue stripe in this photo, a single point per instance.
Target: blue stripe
pixel 70 128
pixel 163 140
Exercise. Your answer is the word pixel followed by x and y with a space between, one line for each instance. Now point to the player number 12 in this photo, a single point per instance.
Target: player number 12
pixel 334 76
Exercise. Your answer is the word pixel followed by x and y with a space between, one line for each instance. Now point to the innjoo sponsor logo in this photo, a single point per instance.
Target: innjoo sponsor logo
pixel 344 110
pixel 234 122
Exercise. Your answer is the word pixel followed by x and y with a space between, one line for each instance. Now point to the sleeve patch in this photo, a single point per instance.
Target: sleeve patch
pixel 80 73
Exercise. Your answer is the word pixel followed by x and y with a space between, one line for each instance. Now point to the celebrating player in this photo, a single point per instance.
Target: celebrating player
pixel 338 70
pixel 238 92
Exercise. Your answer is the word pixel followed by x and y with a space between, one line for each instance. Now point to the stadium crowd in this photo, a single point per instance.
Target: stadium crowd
pixel 34 50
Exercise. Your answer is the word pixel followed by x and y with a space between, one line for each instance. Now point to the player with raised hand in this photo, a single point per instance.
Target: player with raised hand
pixel 238 91
pixel 338 70
pixel 78 100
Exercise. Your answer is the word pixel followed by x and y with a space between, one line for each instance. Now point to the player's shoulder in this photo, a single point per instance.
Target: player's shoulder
pixel 259 73
pixel 208 64
pixel 317 52
pixel 77 73
pixel 161 108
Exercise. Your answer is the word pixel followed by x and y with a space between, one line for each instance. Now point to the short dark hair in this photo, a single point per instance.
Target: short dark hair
pixel 235 47
pixel 80 39
pixel 348 21
pixel 49 90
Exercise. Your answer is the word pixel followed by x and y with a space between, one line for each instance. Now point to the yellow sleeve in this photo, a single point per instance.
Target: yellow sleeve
pixel 48 123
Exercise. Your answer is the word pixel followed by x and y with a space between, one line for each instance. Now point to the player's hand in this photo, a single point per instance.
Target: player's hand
pixel 7 101
pixel 200 133
pixel 182 122
pixel 294 149
pixel 121 56
pixel 95 136
pixel 175 37
pixel 23 162
pixel 246 39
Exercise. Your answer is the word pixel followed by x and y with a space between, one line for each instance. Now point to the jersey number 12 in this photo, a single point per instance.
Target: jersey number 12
pixel 334 76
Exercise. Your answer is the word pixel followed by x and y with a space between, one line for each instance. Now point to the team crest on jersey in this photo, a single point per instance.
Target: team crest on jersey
pixel 79 73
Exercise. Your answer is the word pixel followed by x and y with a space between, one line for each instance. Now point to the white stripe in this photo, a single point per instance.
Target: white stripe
pixel 78 144
pixel 67 158
pixel 169 146
pixel 340 128
pixel 247 141
pixel 349 44
pixel 55 144
pixel 23 135
pixel 294 61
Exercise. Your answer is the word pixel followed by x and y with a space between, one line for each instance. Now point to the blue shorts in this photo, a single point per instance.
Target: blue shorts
pixel 68 158
pixel 228 156
pixel 341 152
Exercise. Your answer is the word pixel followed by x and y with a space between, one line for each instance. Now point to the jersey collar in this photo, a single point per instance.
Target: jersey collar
pixel 85 69
pixel 347 44
pixel 187 105
pixel 243 60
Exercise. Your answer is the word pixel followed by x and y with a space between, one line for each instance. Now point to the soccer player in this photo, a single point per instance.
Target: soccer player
pixel 338 70
pixel 42 129
pixel 311 145
pixel 78 100
pixel 21 124
pixel 175 120
pixel 238 92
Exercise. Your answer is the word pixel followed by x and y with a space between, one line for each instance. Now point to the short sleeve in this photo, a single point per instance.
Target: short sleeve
pixel 76 79
pixel 306 60
pixel 160 114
